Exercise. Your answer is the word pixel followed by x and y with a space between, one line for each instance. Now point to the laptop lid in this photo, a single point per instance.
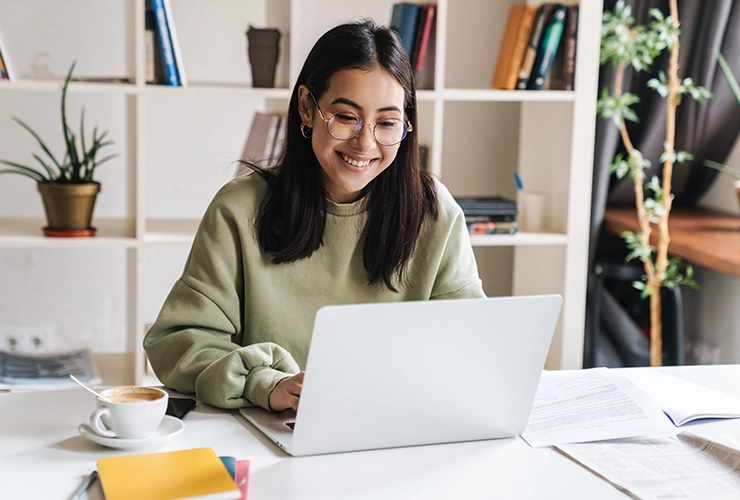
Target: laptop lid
pixel 412 373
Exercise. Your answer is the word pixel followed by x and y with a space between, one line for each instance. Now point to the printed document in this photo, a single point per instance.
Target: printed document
pixel 687 466
pixel 577 406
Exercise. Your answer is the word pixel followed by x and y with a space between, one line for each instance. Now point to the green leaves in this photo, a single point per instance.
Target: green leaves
pixel 622 166
pixel 675 156
pixel 638 246
pixel 635 46
pixel 76 166
pixel 617 108
pixel 687 86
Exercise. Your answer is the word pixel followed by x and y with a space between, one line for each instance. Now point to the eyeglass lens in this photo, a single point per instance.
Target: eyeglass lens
pixel 345 126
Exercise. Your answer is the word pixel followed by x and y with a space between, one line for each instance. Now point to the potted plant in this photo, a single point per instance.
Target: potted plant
pixel 67 187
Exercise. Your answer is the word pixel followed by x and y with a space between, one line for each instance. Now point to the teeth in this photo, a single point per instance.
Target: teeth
pixel 355 163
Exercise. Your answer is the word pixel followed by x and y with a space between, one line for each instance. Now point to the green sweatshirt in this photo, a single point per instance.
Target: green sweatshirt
pixel 235 324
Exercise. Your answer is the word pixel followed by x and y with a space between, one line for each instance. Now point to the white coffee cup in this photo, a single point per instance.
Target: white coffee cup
pixel 532 210
pixel 134 412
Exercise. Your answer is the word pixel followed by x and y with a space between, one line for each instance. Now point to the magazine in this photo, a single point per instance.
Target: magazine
pixel 37 372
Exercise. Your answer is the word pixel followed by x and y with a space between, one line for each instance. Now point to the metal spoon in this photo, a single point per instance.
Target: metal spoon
pixel 88 389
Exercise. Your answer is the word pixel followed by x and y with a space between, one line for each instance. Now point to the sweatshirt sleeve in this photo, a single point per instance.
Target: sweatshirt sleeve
pixel 192 344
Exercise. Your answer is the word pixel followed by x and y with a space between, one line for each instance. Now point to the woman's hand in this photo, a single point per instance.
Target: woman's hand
pixel 287 393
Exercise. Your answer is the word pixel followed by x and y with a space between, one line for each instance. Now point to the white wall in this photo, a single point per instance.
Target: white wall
pixel 197 141
pixel 712 314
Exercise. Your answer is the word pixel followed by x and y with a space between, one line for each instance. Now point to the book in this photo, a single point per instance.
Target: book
pixel 597 404
pixel 422 36
pixel 683 401
pixel 179 66
pixel 513 46
pixel 165 43
pixel 403 20
pixel 183 474
pixel 491 227
pixel 492 205
pixel 150 45
pixel 41 372
pixel 548 47
pixel 265 141
pixel 278 143
pixel 6 72
pixel 535 38
pixel 571 38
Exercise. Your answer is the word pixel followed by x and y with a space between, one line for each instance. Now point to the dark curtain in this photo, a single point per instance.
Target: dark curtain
pixel 706 130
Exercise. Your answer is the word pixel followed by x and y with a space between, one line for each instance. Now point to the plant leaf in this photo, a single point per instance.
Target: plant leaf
pixel 38 139
pixel 22 169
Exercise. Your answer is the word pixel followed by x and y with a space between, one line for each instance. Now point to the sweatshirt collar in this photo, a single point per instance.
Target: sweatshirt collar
pixel 346 209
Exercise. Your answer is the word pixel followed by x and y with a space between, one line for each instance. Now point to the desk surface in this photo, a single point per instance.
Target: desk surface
pixel 706 238
pixel 43 457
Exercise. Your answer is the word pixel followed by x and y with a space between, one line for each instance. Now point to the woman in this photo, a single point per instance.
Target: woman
pixel 346 217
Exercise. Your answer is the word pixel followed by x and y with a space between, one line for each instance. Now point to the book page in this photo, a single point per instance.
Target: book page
pixel 687 466
pixel 685 401
pixel 576 406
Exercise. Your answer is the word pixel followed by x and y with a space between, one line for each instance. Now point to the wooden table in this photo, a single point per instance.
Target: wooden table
pixel 706 238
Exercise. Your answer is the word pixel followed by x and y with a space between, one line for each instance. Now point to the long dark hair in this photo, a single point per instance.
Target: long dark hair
pixel 292 217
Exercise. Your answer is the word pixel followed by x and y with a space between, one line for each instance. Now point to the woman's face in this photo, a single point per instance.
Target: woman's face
pixel 350 165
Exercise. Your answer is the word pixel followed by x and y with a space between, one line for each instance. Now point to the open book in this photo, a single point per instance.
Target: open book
pixel 578 406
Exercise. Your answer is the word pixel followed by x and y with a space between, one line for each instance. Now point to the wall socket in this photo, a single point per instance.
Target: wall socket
pixel 25 339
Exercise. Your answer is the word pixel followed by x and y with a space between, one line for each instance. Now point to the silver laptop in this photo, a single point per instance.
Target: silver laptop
pixel 415 373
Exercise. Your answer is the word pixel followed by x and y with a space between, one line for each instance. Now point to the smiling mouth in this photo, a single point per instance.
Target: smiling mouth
pixel 355 163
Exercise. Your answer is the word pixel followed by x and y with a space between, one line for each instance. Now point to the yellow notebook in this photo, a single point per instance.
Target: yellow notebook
pixel 194 473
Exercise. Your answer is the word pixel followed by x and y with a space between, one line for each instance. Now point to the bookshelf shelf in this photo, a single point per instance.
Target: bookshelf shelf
pixel 170 168
pixel 483 95
pixel 521 238
pixel 26 233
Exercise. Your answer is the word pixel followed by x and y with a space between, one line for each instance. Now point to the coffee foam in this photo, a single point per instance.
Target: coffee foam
pixel 133 395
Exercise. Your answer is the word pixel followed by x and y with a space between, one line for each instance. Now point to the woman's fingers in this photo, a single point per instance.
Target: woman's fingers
pixel 287 393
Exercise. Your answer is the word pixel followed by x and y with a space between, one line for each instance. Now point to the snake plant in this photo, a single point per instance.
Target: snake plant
pixel 78 164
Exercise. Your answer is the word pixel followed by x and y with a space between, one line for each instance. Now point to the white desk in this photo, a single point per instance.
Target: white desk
pixel 43 457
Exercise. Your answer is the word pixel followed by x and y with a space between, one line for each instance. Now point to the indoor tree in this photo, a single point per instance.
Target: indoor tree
pixel 626 44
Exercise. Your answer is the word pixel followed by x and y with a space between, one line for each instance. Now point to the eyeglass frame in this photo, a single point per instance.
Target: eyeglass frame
pixel 407 124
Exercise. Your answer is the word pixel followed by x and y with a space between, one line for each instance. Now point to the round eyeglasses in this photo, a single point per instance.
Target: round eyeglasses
pixel 346 125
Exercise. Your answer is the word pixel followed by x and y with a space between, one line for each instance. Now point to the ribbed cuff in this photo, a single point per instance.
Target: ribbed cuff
pixel 260 383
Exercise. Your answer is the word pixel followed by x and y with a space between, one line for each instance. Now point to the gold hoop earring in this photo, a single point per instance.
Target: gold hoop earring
pixel 306 131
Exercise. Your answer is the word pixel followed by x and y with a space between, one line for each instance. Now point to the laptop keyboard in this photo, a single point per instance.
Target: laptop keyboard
pixel 291 425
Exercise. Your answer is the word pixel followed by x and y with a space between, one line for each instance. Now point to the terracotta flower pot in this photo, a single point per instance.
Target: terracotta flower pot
pixel 69 207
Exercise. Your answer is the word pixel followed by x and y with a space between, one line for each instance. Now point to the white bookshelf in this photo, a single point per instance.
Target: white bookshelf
pixel 477 138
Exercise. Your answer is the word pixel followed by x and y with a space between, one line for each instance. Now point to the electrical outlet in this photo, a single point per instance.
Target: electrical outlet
pixel 25 339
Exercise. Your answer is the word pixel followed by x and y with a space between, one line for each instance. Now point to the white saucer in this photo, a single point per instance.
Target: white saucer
pixel 169 428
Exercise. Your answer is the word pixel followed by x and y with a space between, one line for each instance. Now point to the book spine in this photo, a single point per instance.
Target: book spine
pixel 175 44
pixel 571 37
pixel 5 70
pixel 403 19
pixel 504 72
pixel 492 227
pixel 163 34
pixel 535 38
pixel 150 45
pixel 549 45
pixel 424 38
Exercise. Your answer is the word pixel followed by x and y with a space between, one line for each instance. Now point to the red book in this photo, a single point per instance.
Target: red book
pixel 421 43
